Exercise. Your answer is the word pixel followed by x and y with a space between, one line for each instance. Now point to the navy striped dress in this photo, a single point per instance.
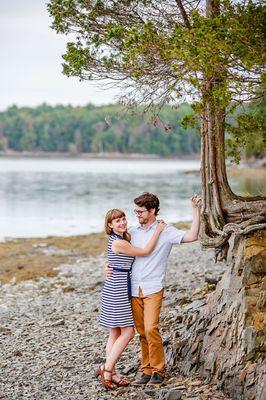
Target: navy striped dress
pixel 116 294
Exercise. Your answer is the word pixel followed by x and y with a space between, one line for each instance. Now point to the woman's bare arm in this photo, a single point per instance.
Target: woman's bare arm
pixel 124 247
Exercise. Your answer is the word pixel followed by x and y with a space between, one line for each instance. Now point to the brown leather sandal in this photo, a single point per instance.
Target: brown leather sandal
pixel 107 383
pixel 122 382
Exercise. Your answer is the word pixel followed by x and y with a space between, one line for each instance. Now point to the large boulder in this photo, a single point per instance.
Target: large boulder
pixel 225 339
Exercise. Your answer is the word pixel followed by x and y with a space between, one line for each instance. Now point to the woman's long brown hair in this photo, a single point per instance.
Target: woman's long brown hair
pixel 114 214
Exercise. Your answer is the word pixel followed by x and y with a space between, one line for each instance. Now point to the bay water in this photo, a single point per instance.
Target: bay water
pixel 44 196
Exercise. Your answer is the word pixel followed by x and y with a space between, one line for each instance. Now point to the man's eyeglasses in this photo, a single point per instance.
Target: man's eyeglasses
pixel 137 212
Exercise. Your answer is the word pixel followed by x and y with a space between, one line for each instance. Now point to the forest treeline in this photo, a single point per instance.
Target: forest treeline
pixel 97 129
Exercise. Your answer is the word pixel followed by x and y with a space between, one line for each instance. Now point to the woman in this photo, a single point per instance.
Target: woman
pixel 116 312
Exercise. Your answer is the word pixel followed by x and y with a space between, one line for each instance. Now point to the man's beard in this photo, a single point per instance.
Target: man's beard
pixel 143 221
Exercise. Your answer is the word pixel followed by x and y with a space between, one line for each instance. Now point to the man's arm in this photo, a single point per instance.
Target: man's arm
pixel 108 271
pixel 192 234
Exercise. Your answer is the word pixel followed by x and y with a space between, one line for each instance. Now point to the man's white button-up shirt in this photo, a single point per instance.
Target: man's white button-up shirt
pixel 148 273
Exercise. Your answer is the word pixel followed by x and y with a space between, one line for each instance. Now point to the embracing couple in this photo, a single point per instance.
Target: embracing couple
pixel 133 291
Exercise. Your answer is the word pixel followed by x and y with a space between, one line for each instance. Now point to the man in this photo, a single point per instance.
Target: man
pixel 147 281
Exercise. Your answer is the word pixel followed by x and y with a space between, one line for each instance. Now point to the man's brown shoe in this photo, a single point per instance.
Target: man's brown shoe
pixel 156 379
pixel 143 380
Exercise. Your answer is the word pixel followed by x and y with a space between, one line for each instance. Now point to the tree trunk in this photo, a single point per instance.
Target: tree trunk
pixel 223 212
pixel 226 343
pixel 213 174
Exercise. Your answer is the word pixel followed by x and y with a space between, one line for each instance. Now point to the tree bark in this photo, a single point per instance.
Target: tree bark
pixel 226 342
pixel 223 212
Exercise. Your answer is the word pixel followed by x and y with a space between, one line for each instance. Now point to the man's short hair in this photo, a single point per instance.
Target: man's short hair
pixel 148 200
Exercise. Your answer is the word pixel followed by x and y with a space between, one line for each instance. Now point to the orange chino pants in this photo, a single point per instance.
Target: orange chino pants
pixel 146 313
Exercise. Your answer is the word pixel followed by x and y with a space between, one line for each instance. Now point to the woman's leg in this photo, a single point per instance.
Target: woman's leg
pixel 119 346
pixel 114 334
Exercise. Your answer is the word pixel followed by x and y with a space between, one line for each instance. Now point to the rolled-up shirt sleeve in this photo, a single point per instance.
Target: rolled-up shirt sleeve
pixel 174 235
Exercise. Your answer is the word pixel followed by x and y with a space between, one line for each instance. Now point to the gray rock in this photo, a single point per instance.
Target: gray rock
pixel 195 305
pixel 211 279
pixel 174 394
pixel 150 392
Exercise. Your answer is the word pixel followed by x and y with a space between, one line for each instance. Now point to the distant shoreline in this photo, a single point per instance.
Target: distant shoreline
pixel 105 155
pixel 244 164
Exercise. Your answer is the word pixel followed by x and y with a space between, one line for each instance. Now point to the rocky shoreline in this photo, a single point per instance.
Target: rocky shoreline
pixel 23 259
pixel 101 155
pixel 51 342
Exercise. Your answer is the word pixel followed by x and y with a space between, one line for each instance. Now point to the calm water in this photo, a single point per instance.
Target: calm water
pixel 40 197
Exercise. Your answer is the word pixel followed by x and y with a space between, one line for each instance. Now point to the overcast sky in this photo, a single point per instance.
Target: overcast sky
pixel 30 67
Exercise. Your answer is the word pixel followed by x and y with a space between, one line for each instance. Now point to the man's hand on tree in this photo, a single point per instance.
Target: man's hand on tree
pixel 196 201
pixel 108 271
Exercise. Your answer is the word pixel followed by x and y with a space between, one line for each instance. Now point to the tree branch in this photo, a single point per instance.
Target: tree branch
pixel 183 13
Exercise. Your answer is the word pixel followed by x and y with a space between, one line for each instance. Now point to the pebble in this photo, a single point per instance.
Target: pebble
pixel 50 341
pixel 174 394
